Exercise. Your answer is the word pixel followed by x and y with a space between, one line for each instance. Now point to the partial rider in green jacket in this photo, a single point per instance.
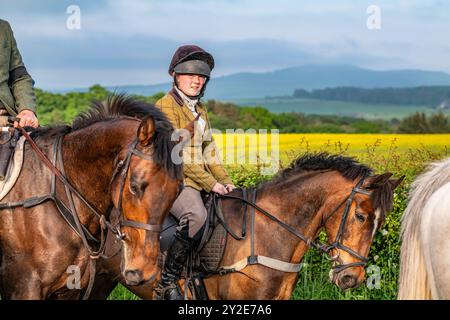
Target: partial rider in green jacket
pixel 17 97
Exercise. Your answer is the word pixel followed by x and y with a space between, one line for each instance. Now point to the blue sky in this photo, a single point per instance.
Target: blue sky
pixel 131 42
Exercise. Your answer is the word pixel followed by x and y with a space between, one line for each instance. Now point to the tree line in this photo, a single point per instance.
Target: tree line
pixel 62 108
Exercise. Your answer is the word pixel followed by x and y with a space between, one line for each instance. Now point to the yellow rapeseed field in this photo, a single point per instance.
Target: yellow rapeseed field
pixel 383 151
pixel 352 144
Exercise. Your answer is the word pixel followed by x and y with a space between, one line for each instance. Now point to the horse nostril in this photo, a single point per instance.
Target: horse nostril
pixel 347 282
pixel 133 277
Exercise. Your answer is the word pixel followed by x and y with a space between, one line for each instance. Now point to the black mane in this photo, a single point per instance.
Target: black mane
pixel 348 167
pixel 117 106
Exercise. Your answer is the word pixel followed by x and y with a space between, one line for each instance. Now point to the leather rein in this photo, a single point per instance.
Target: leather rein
pixel 311 243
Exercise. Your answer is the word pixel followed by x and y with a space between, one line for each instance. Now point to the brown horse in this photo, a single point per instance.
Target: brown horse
pixel 115 157
pixel 316 192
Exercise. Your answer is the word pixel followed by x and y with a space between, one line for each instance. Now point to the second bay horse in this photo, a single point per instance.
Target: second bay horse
pixel 318 191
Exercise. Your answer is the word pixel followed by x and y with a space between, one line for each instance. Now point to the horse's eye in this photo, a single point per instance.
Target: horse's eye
pixel 133 188
pixel 361 218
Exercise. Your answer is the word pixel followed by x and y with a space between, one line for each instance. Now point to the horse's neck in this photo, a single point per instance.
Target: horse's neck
pixel 88 156
pixel 296 204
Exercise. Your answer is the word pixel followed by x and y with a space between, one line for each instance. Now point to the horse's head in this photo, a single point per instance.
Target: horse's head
pixel 144 187
pixel 352 225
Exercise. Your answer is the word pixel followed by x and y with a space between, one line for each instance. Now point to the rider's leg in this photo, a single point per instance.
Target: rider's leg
pixel 191 212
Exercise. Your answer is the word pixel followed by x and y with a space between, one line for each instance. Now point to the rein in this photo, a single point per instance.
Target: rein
pixel 321 247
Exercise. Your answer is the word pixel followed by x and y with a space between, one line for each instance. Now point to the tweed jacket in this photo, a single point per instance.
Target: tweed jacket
pixel 202 165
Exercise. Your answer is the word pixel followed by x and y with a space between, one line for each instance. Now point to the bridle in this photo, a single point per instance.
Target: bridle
pixel 337 243
pixel 123 222
pixel 325 248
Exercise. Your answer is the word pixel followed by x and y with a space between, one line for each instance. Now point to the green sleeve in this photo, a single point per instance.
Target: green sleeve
pixel 22 87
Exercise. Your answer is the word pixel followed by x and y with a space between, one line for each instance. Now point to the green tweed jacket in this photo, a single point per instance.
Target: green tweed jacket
pixel 16 85
pixel 209 170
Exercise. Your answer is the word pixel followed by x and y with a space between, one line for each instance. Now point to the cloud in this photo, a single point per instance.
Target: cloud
pixel 244 35
pixel 148 58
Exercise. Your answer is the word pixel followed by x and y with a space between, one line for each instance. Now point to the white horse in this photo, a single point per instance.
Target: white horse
pixel 425 250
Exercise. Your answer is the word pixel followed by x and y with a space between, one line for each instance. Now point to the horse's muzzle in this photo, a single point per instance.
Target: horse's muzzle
pixel 133 277
pixel 347 282
pixel 346 279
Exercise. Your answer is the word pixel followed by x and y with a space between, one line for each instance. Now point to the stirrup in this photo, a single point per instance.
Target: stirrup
pixel 170 292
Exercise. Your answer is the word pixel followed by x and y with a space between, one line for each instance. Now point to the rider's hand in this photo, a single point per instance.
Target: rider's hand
pixel 230 187
pixel 220 189
pixel 27 119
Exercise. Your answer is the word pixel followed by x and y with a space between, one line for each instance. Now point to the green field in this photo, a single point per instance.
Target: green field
pixel 340 108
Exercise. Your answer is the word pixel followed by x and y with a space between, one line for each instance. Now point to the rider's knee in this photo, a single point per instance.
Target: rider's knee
pixel 197 220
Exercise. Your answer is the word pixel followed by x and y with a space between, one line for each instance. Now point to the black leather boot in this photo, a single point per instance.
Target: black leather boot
pixel 177 254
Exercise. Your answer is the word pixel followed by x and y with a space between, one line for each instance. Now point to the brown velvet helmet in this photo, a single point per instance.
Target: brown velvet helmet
pixel 191 59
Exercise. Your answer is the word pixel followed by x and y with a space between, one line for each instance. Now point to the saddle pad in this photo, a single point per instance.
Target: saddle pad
pixel 212 253
pixel 14 168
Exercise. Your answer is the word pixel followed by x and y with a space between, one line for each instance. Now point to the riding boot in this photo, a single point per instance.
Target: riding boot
pixel 177 254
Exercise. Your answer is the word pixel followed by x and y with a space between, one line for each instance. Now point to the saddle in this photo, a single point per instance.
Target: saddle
pixel 207 255
pixel 208 251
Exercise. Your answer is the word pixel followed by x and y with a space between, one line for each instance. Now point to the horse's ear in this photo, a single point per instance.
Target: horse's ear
pixel 146 131
pixel 378 180
pixel 190 127
pixel 395 183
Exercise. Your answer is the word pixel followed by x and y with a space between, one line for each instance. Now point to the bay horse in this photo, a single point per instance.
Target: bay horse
pixel 424 252
pixel 318 191
pixel 114 158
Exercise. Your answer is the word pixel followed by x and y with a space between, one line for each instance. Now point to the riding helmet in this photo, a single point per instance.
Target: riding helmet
pixel 191 59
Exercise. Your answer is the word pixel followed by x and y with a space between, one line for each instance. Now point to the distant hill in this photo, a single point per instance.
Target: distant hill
pixel 286 81
pixel 433 96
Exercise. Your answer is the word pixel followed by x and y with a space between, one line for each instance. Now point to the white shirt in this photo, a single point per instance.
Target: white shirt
pixel 191 103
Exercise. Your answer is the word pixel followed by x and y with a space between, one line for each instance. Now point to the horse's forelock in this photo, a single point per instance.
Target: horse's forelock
pixel 382 199
pixel 163 146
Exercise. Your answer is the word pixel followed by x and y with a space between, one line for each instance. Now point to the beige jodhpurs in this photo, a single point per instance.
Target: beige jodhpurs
pixel 190 211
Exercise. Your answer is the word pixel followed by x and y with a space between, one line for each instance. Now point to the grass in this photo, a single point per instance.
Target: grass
pixel 122 293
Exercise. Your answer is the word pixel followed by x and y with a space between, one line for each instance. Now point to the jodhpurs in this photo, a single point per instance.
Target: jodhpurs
pixel 190 211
